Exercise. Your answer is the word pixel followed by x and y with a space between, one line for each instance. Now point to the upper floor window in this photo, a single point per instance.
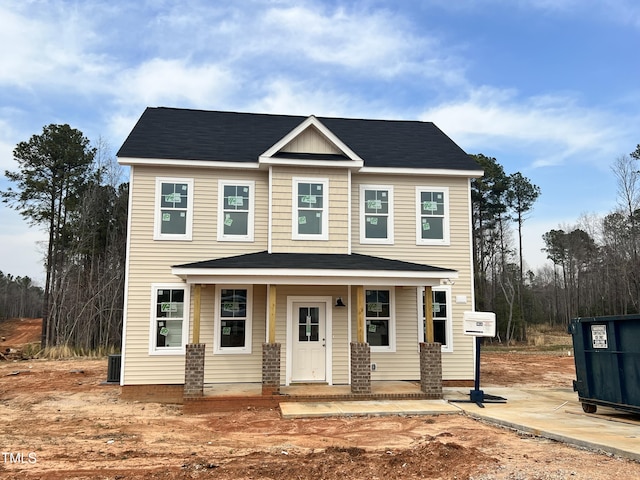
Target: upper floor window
pixel 233 320
pixel 432 216
pixel 169 327
pixel 235 211
pixel 174 209
pixel 310 209
pixel 376 214
pixel 442 318
pixel 379 319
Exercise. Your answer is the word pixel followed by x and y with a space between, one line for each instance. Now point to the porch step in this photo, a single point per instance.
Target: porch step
pixel 366 407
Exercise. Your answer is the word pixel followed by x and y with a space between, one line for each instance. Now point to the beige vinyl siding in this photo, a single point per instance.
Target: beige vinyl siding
pixel 282 211
pixel 151 261
pixel 457 364
pixel 311 141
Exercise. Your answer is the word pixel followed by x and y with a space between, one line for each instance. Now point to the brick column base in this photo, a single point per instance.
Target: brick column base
pixel 194 370
pixel 270 369
pixel 360 368
pixel 431 369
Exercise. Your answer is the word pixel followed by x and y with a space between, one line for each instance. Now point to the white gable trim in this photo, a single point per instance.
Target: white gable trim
pixel 355 160
pixel 177 162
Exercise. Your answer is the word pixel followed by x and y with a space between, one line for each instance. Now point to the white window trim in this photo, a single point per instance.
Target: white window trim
pixel 153 350
pixel 249 237
pixel 445 224
pixel 449 319
pixel 392 319
pixel 294 209
pixel 217 349
pixel 157 235
pixel 379 241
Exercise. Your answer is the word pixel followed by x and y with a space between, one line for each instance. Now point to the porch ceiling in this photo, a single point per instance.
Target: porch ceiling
pixel 314 269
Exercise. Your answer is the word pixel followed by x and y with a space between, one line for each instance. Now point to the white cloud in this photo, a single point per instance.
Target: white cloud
pixel 175 81
pixel 49 45
pixel 551 128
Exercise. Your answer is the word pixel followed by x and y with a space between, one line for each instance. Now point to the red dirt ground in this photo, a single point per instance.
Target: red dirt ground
pixel 60 421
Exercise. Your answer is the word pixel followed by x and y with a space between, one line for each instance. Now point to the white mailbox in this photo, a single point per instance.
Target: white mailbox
pixel 479 324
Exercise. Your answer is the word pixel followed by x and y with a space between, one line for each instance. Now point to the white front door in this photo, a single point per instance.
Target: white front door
pixel 309 342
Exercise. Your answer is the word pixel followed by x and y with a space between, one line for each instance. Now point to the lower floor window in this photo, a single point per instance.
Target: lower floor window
pixel 233 334
pixel 378 316
pixel 441 301
pixel 168 323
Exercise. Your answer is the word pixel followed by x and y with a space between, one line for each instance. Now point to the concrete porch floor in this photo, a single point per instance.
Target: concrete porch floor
pixel 385 389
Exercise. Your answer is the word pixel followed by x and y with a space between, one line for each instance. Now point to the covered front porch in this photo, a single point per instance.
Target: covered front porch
pixel 281 277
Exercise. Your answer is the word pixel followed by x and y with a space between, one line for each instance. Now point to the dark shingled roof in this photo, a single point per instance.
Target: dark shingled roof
pixel 318 261
pixel 171 133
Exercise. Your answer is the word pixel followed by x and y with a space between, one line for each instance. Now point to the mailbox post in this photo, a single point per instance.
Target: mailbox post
pixel 478 325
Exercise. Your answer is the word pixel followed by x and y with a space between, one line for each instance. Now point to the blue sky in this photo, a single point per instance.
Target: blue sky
pixel 550 88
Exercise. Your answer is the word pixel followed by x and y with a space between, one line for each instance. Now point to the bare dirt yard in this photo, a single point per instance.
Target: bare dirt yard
pixel 60 421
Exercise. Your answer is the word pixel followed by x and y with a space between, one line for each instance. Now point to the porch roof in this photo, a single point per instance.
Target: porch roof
pixel 312 269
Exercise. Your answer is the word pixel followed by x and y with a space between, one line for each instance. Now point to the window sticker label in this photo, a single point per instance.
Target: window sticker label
pixel 429 206
pixel 436 307
pixel 228 221
pixel 309 199
pixel 372 220
pixel 372 328
pixel 599 336
pixel 173 197
pixel 426 226
pixel 374 307
pixel 374 204
pixel 302 220
pixel 183 214
pixel 166 217
pixel 226 330
pixel 235 201
pixel 168 307
pixel 231 306
pixel 164 331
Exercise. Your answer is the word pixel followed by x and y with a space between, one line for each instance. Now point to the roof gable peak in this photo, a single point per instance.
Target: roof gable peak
pixel 312 141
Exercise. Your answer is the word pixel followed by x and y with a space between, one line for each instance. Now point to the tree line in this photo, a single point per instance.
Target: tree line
pixel 594 264
pixel 19 297
pixel 74 191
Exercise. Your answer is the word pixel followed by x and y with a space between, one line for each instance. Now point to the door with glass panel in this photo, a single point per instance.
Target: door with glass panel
pixel 309 343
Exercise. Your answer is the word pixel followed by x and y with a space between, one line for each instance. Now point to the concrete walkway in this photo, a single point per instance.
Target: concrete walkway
pixel 547 412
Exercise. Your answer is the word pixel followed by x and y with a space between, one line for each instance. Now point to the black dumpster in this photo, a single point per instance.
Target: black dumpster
pixel 607 357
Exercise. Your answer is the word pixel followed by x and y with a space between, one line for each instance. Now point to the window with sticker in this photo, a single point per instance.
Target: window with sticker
pixel 233 320
pixel 432 217
pixel 168 322
pixel 380 320
pixel 441 315
pixel 310 212
pixel 236 211
pixel 376 214
pixel 174 205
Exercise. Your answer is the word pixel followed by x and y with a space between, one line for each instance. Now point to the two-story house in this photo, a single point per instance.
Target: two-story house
pixel 278 250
